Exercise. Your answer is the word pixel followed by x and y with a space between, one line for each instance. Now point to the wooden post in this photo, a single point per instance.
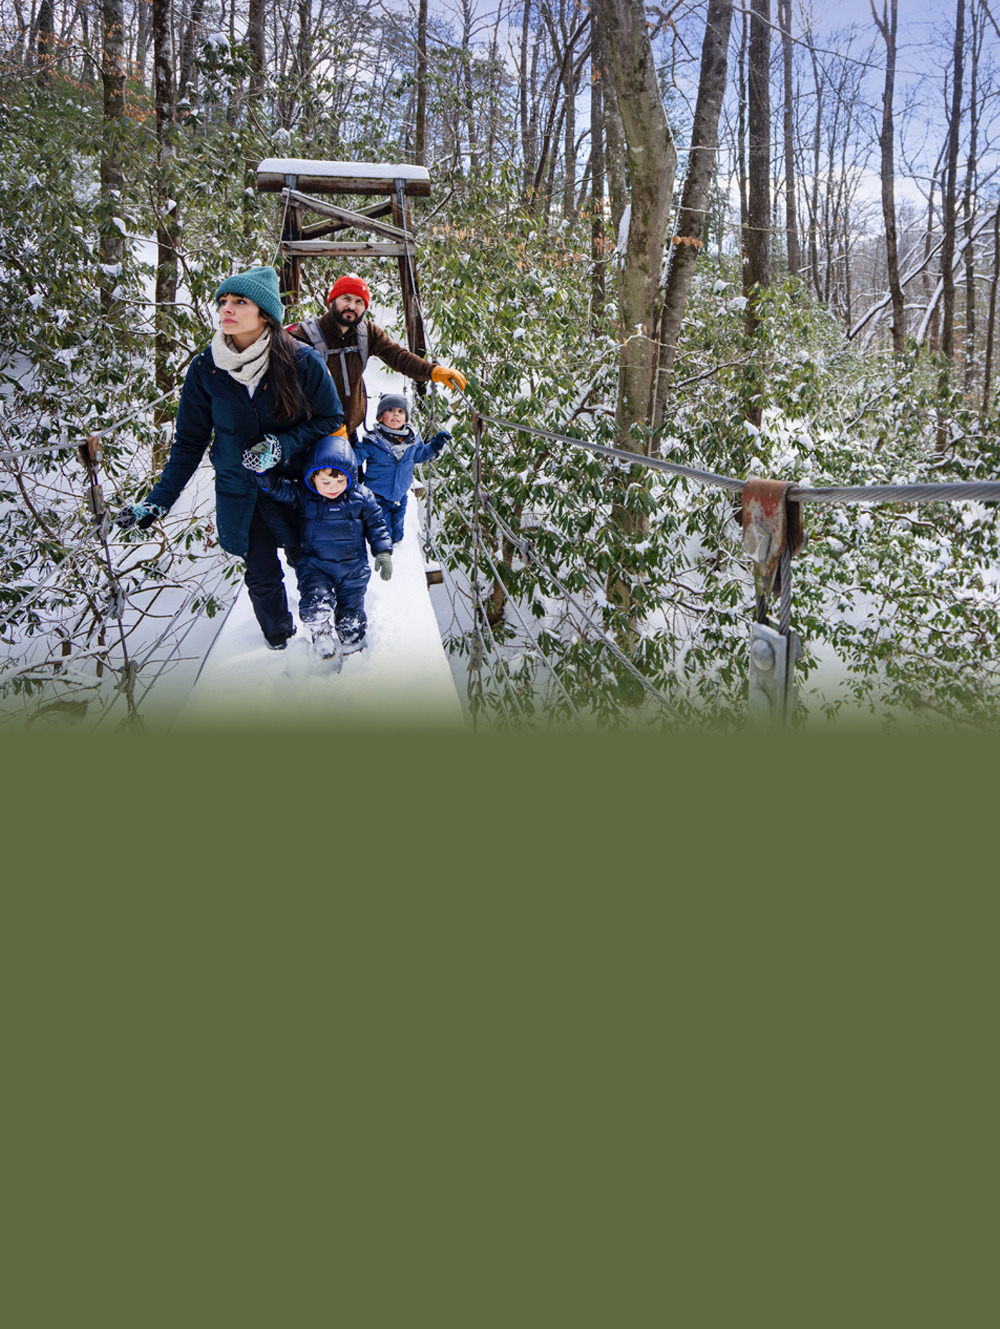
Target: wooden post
pixel 407 276
pixel 291 229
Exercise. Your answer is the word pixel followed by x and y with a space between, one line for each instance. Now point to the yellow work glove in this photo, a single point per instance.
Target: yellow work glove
pixel 340 433
pixel 448 378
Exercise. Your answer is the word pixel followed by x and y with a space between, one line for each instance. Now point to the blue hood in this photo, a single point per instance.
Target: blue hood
pixel 336 453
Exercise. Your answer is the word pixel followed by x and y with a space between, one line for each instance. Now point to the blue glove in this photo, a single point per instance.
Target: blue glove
pixel 439 440
pixel 139 514
pixel 383 565
pixel 263 455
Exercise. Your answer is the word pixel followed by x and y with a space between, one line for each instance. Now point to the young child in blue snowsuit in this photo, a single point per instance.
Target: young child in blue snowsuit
pixel 390 451
pixel 336 516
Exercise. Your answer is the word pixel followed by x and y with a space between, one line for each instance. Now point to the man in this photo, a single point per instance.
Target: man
pixel 345 339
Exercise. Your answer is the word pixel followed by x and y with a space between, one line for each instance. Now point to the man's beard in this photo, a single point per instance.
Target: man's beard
pixel 339 317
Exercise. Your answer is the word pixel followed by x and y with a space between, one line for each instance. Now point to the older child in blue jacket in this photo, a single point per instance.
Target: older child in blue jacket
pixel 390 451
pixel 336 516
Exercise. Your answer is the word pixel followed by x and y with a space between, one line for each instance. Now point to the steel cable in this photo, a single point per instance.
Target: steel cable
pixel 966 491
pixel 50 448
pixel 529 554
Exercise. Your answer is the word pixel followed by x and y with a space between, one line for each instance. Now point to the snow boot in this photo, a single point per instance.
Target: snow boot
pixel 280 639
pixel 351 630
pixel 326 647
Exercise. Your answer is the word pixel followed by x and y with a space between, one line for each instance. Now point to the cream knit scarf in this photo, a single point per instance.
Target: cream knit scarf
pixel 247 367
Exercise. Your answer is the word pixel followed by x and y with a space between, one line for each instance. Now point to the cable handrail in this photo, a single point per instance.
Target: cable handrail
pixel 956 491
pixel 50 448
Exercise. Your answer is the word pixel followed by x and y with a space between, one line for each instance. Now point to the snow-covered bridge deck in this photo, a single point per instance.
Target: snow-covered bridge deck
pixel 402 675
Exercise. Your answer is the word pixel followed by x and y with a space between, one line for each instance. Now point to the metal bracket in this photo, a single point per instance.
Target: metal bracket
pixel 772 533
pixel 772 697
pixel 90 455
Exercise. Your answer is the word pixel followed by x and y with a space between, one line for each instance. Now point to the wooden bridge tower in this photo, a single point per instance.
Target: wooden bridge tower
pixel 298 180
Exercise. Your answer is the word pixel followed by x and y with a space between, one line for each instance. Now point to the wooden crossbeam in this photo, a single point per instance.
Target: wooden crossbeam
pixel 360 220
pixel 331 228
pixel 340 249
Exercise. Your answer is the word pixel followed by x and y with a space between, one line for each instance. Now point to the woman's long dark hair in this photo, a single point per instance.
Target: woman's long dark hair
pixel 283 372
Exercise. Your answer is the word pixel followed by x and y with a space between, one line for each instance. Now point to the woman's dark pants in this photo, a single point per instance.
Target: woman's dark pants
pixel 265 579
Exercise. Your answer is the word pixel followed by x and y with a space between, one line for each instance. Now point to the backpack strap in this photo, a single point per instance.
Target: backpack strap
pixel 314 332
pixel 363 343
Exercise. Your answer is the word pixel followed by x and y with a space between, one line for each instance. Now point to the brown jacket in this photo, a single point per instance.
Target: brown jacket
pixel 391 353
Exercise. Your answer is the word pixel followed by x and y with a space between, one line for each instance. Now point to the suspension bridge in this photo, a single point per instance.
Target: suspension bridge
pixel 215 661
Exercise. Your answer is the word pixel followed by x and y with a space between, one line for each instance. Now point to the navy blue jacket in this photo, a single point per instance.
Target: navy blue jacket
pixel 384 474
pixel 332 530
pixel 212 402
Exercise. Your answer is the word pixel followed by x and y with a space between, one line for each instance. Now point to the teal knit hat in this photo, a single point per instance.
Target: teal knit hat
pixel 259 285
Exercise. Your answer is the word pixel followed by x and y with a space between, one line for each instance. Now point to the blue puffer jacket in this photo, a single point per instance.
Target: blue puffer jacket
pixel 212 402
pixel 333 530
pixel 384 474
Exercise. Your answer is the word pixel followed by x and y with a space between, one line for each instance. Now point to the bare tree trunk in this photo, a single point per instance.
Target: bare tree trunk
pixel 522 97
pixel 991 321
pixel 166 231
pixel 569 144
pixel 948 218
pixel 791 220
pixel 304 42
pixel 112 246
pixel 614 134
pixel 741 127
pixel 934 325
pixel 550 178
pixel 887 27
pixel 819 84
pixel 187 48
pixel 652 161
pixel 697 191
pixel 44 41
pixel 143 31
pixel 420 146
pixel 529 122
pixel 470 108
pixel 255 44
pixel 597 245
pixel 970 193
pixel 757 241
pixel 88 74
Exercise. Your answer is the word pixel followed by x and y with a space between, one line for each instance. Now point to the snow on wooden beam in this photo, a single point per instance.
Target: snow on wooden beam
pixel 341 177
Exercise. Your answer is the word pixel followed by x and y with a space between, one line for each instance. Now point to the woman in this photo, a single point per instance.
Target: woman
pixel 265 397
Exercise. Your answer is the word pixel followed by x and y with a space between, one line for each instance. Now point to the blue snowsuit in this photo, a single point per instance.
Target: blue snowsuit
pixel 389 477
pixel 332 563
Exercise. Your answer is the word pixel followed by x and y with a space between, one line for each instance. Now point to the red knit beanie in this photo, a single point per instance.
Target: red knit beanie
pixel 352 284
